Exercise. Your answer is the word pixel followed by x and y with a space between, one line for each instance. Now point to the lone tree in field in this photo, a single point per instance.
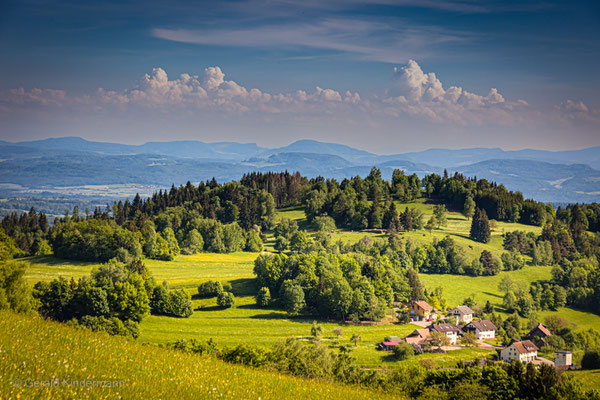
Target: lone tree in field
pixel 355 338
pixel 430 224
pixel 480 227
pixel 469 207
pixel 338 332
pixel 441 215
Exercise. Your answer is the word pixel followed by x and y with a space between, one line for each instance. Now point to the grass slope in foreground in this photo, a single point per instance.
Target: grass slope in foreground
pixel 32 348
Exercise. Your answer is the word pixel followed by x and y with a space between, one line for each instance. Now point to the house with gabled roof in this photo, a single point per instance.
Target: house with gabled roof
pixel 447 329
pixel 421 311
pixel 539 334
pixel 462 314
pixel 418 336
pixel 483 329
pixel 524 351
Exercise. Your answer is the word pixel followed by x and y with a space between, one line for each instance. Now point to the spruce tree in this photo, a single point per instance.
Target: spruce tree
pixel 480 227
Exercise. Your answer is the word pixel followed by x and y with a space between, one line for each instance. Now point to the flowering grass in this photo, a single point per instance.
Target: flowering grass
pixel 66 359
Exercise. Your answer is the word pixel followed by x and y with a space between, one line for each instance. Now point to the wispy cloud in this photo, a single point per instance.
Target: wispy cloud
pixel 363 39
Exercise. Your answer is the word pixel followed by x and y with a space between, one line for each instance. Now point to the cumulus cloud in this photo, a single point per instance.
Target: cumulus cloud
pixel 572 110
pixel 418 93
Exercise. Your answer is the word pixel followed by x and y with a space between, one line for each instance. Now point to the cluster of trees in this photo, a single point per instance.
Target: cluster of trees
pixel 500 204
pixel 317 361
pixel 574 253
pixel 587 215
pixel 114 299
pixel 175 231
pixel 188 219
pixel 222 292
pixel 343 286
pixel 526 300
pixel 358 203
pixel 581 281
pixel 28 232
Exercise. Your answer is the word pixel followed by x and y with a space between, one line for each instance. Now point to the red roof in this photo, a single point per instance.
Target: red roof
pixel 526 346
pixel 543 329
pixel 424 305
pixel 390 343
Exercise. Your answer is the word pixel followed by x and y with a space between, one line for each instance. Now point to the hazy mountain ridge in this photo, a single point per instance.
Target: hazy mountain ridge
pixel 568 177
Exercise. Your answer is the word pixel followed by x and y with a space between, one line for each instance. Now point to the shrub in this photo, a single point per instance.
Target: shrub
pixel 246 354
pixel 263 298
pixel 210 289
pixel 403 351
pixel 591 359
pixel 180 304
pixel 225 299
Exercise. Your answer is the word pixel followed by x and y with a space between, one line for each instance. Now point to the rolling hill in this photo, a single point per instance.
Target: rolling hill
pixel 567 176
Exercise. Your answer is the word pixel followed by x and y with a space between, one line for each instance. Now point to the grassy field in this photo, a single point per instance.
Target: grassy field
pixel 589 378
pixel 34 350
pixel 458 287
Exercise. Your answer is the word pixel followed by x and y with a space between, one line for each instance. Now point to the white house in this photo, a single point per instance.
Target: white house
pixel 462 314
pixel 483 329
pixel 524 351
pixel 449 330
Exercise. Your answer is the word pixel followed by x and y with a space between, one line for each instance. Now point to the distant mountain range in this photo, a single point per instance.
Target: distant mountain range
pixel 565 176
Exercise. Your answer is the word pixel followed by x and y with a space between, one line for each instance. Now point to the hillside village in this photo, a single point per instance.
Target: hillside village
pixel 461 328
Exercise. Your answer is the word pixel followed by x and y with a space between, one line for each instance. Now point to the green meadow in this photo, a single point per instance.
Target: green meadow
pixel 62 359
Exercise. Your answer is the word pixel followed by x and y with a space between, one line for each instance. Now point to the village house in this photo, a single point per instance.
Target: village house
pixel 421 311
pixel 483 329
pixel 563 358
pixel 448 329
pixel 524 351
pixel 539 334
pixel 418 336
pixel 462 314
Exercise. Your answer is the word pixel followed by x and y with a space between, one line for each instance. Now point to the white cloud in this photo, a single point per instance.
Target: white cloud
pixel 577 111
pixel 20 96
pixel 419 93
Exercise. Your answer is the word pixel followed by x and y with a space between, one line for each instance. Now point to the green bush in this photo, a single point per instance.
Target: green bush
pixel 210 289
pixel 591 359
pixel 403 351
pixel 263 298
pixel 226 299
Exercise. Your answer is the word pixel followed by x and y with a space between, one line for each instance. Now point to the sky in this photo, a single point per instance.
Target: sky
pixel 386 76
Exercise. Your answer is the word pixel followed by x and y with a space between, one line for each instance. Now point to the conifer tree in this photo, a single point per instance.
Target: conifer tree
pixel 480 227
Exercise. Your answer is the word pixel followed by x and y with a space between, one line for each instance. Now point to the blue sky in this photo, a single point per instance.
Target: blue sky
pixel 383 75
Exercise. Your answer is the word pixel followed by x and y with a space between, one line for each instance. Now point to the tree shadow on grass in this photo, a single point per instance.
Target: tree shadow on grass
pixel 252 307
pixel 271 315
pixel 492 294
pixel 51 260
pixel 210 308
pixel 244 286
